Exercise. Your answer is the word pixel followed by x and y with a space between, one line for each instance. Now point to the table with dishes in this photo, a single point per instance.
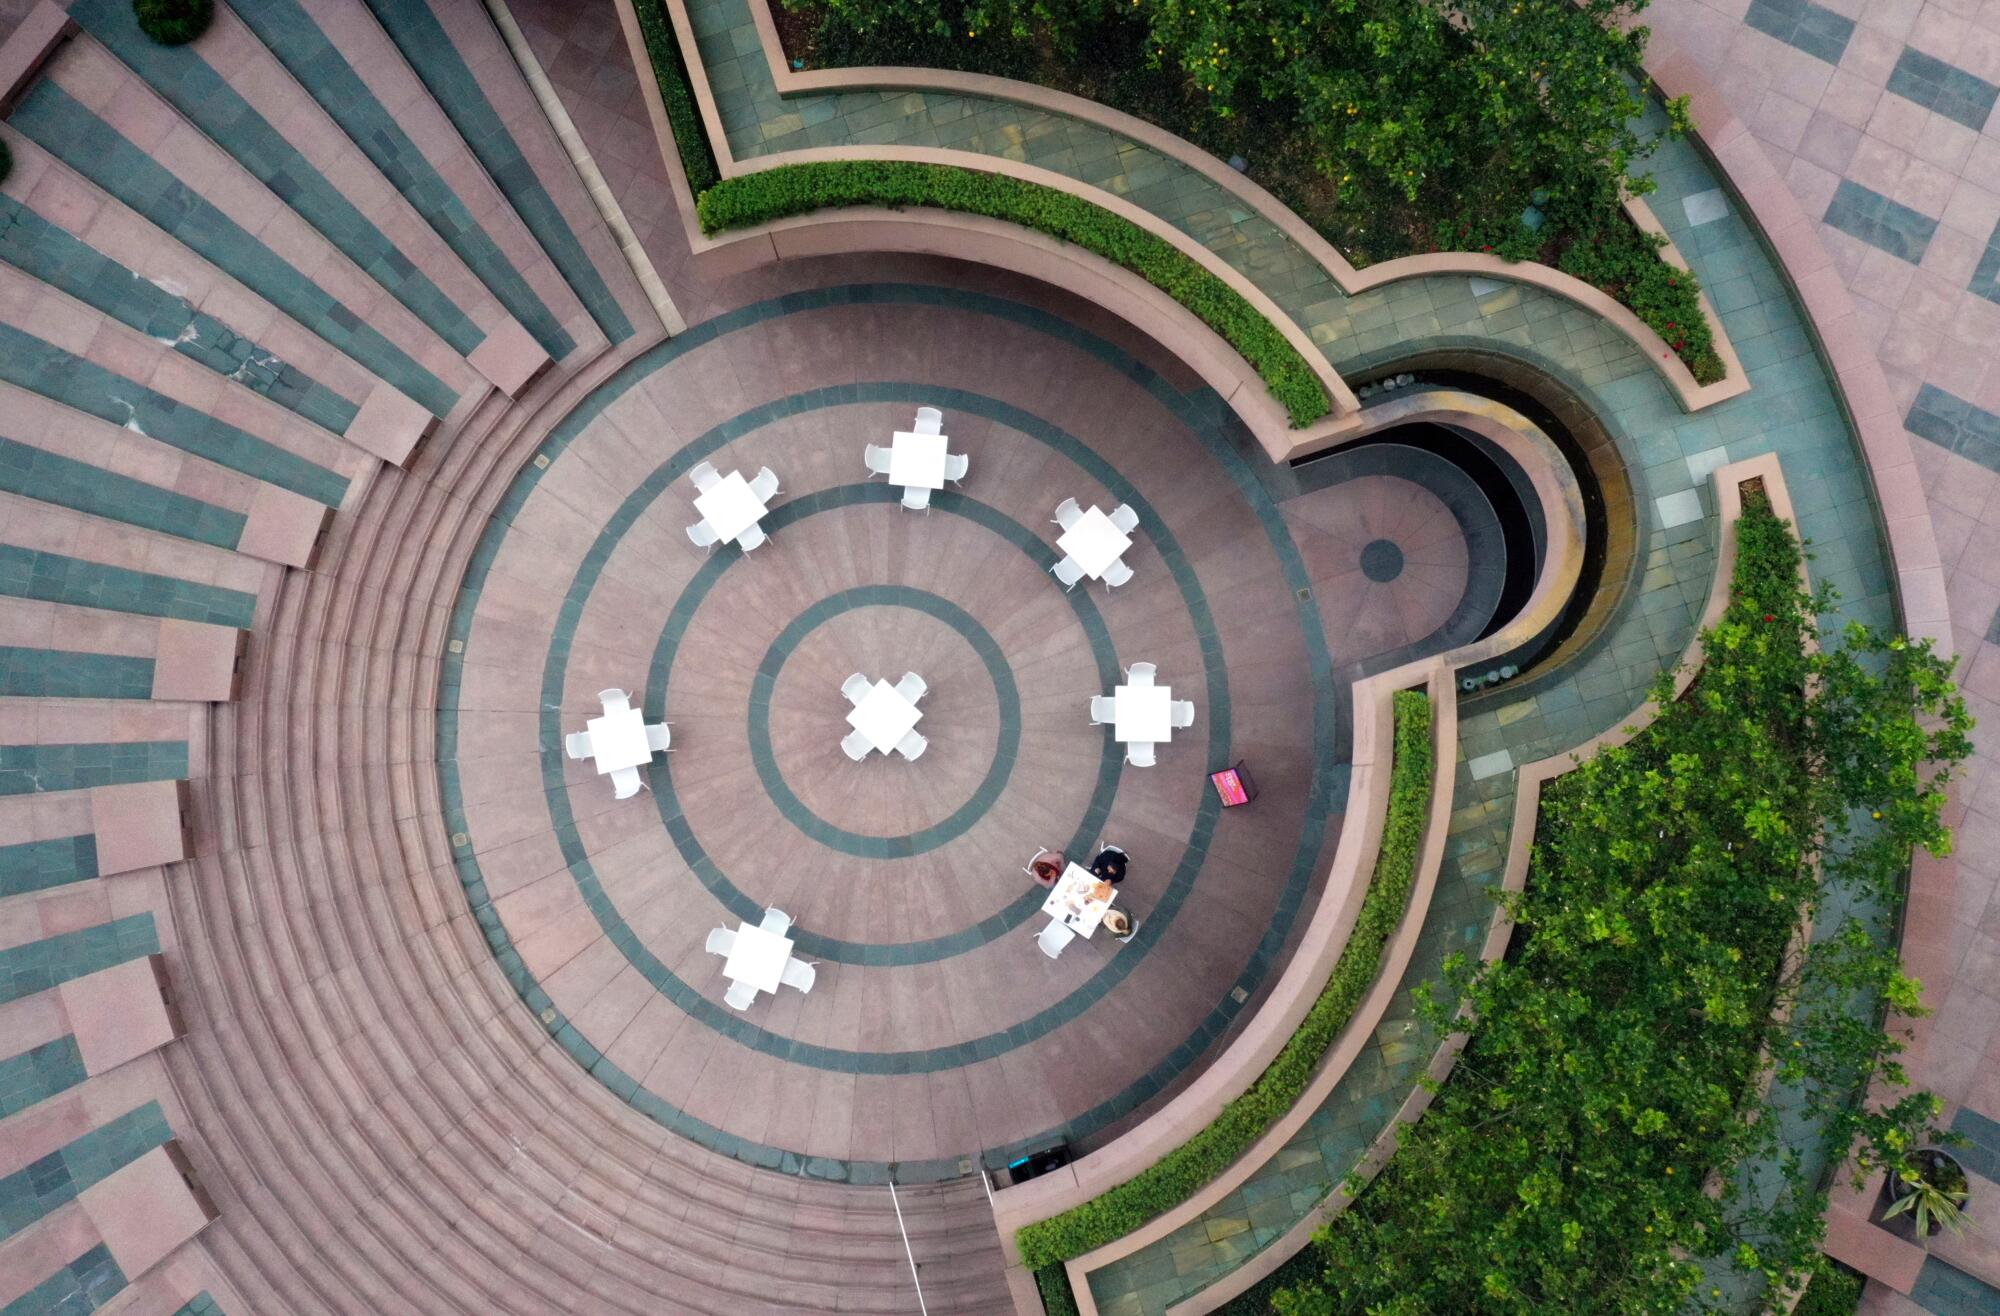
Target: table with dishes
pixel 1079 898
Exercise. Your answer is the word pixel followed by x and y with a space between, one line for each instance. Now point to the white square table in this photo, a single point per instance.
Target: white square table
pixel 758 958
pixel 1094 543
pixel 883 716
pixel 1075 901
pixel 729 507
pixel 1142 713
pixel 618 740
pixel 916 461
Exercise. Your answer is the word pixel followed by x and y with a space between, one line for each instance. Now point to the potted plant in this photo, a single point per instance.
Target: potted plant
pixel 1930 1189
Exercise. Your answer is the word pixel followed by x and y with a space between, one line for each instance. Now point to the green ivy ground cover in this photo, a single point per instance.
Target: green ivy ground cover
pixel 1178 1174
pixel 771 194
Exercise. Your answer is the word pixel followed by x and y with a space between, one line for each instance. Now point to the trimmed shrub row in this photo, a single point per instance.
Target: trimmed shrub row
pixel 1182 1171
pixel 771 194
pixel 683 116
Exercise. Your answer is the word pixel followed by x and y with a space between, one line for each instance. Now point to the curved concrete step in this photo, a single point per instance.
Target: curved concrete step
pixel 99 118
pixel 232 89
pixel 344 60
pixel 458 53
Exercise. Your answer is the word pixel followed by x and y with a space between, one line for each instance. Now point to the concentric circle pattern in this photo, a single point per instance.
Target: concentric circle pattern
pixel 935 1030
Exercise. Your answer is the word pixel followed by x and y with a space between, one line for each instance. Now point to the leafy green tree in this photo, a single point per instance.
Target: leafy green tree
pixel 1600 1139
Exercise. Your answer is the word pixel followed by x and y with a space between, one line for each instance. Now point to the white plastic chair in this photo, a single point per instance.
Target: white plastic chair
pixel 912 745
pixel 1068 571
pixel 721 941
pixel 916 499
pixel 877 458
pixel 1125 518
pixel 740 995
pixel 702 535
pixel 658 737
pixel 1141 673
pixel 1181 714
pixel 776 922
pixel 1103 710
pixel 1068 513
pixel 1139 753
pixel 754 537
pixel 798 974
pixel 1117 574
pixel 929 420
pixel 704 475
pixel 577 744
pixel 855 687
pixel 614 701
pixel 911 687
pixel 625 783
pixel 765 485
pixel 956 464
pixel 1054 937
pixel 855 745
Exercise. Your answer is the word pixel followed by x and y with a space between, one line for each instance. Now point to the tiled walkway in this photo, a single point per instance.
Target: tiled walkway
pixel 1889 136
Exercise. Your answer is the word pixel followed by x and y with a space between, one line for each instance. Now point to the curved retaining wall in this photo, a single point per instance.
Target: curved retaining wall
pixel 1326 935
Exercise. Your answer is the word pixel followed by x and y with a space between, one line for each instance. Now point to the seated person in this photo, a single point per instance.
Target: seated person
pixel 1118 923
pixel 1109 865
pixel 1048 866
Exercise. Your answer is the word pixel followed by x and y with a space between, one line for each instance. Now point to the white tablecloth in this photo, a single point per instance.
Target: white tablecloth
pixel 884 716
pixel 916 461
pixel 729 507
pixel 1142 713
pixel 758 958
pixel 1075 899
pixel 618 740
pixel 1094 543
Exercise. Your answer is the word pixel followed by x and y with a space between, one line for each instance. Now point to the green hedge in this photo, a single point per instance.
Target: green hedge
pixel 1057 1297
pixel 1834 1291
pixel 1177 1175
pixel 173 22
pixel 683 115
pixel 771 194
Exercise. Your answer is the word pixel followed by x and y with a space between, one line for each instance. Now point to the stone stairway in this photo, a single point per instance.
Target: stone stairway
pixel 284 309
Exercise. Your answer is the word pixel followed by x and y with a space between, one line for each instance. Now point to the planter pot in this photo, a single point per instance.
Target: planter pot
pixel 1939 1167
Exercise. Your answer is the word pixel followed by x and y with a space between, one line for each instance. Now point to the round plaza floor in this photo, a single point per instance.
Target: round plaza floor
pixel 936 1030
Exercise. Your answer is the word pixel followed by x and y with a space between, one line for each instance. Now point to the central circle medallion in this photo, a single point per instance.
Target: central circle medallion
pixel 764 756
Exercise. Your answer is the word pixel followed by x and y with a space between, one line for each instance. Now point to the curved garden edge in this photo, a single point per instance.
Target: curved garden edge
pixel 1265 1034
pixel 1532 779
pixel 887 185
pixel 1471 264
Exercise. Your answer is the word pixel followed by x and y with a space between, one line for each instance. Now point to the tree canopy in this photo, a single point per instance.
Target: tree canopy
pixel 1609 1135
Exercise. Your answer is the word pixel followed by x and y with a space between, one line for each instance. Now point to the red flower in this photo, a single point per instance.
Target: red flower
pixel 1769 617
